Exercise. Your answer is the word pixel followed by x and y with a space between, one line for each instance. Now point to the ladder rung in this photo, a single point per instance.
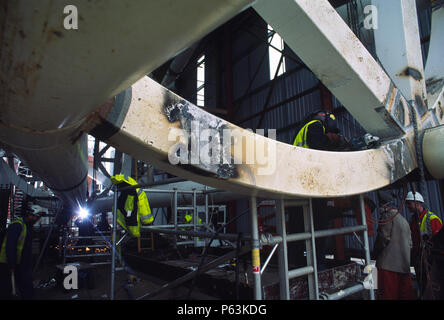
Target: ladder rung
pixel 184 242
pixel 296 203
pixel 89 255
pixel 300 272
pixel 185 208
pixel 87 246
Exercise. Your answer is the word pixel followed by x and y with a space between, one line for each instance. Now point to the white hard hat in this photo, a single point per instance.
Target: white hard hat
pixel 414 197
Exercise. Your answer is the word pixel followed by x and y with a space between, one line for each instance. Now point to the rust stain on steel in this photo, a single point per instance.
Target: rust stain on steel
pixel 100 114
pixel 58 33
pixel 391 97
pixel 53 34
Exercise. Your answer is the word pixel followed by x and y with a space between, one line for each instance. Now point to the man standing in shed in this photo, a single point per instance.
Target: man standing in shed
pixel 392 251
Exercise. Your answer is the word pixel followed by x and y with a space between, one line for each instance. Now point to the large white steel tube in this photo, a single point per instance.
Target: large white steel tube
pixel 433 151
pixel 434 71
pixel 52 77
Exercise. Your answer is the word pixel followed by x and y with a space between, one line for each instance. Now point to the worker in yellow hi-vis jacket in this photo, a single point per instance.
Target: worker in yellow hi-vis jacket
pixel 132 205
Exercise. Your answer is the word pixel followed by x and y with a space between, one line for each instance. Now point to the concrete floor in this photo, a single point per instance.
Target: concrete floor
pixel 127 287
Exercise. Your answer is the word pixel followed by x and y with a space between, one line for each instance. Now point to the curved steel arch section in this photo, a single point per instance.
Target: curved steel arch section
pixel 156 121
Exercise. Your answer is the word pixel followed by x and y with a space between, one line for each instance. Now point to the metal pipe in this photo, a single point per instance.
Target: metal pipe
pixel 89 255
pixel 232 237
pixel 167 226
pixel 195 217
pixel 206 211
pixel 313 243
pixel 91 238
pixel 255 246
pixel 159 198
pixel 300 272
pixel 283 254
pixel 172 191
pixel 366 243
pixel 121 239
pixel 307 235
pixel 342 293
pixel 175 214
pixel 269 258
pixel 89 246
pixel 42 251
pixel 113 252
pixel 310 246
pixel 200 234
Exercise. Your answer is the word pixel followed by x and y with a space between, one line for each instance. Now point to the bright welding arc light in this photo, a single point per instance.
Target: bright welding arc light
pixel 82 212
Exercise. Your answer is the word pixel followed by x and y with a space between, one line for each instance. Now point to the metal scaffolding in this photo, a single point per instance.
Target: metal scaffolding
pixel 255 241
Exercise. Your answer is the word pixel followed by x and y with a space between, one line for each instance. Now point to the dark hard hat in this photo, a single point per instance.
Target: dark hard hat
pixel 328 119
pixel 385 197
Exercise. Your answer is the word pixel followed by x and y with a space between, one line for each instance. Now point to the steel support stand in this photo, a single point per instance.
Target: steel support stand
pixel 206 215
pixel 365 236
pixel 310 246
pixel 175 215
pixel 283 254
pixel 255 256
pixel 343 293
pixel 113 246
pixel 45 245
pixel 195 218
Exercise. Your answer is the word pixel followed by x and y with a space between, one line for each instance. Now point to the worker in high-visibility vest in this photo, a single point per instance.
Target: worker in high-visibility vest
pixel 424 225
pixel 188 219
pixel 319 132
pixel 16 255
pixel 133 207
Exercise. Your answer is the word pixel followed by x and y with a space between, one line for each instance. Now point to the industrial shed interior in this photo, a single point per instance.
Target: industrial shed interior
pixel 93 94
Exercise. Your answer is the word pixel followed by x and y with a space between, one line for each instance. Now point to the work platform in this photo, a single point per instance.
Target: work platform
pixel 220 282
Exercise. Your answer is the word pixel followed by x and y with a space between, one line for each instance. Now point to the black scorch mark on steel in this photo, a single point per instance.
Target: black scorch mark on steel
pixel 434 85
pixel 412 72
pixel 189 116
